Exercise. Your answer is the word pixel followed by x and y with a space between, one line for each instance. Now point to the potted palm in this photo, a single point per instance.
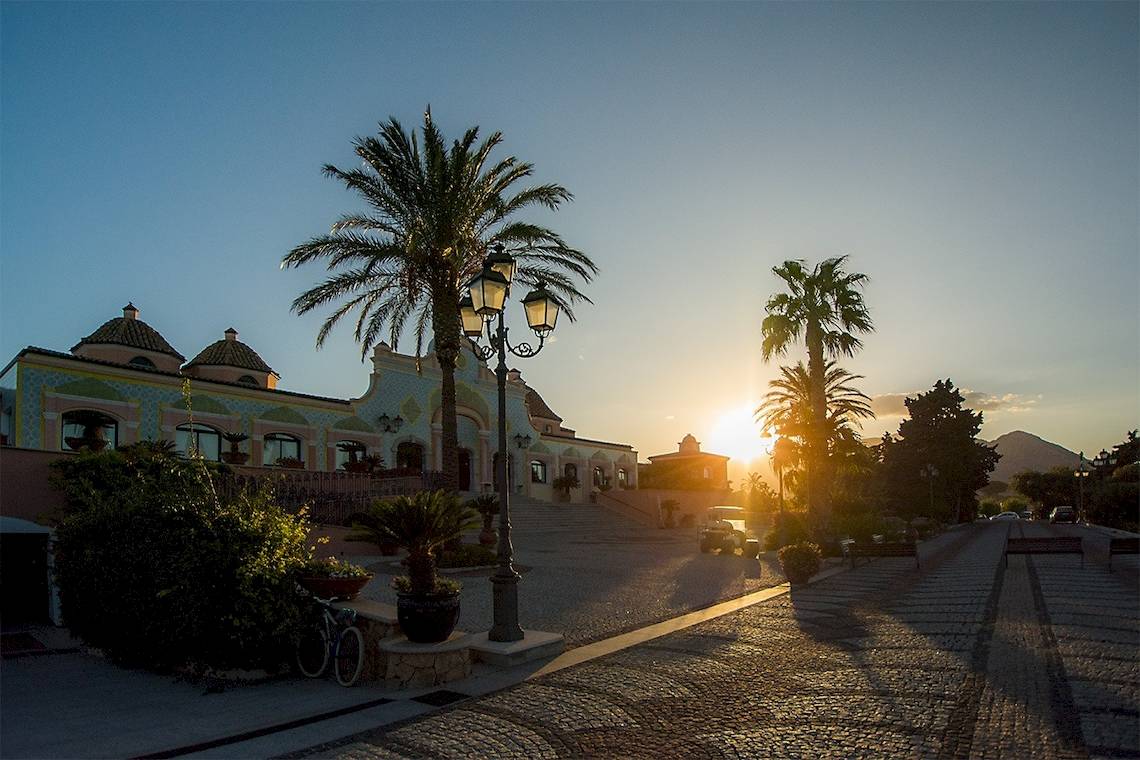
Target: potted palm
pixel 427 605
pixel 564 484
pixel 486 505
pixel 235 455
pixel 356 461
pixel 92 423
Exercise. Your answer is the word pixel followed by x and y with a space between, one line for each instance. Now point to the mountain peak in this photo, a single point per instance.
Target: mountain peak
pixel 1021 451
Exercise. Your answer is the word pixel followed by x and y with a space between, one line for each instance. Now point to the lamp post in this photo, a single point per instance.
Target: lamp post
pixel 929 473
pixel 781 455
pixel 485 301
pixel 1080 474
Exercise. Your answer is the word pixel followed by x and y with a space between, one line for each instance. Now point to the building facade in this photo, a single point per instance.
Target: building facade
pixel 688 468
pixel 129 374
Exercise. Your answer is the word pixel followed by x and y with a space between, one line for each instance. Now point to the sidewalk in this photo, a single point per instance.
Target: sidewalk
pixel 965 659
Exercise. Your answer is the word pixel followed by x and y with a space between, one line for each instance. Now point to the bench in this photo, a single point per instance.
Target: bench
pixel 1122 546
pixel 1058 545
pixel 855 550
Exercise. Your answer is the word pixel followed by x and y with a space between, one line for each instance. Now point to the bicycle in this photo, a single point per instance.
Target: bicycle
pixel 333 638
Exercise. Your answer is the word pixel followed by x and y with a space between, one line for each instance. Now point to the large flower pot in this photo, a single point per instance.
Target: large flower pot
pixel 91 444
pixel 334 588
pixel 427 619
pixel 235 457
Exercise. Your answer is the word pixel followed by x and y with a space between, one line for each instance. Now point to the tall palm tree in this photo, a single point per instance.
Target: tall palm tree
pixel 434 211
pixel 788 406
pixel 823 306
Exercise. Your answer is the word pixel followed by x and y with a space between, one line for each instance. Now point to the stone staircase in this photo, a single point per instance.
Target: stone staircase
pixel 534 517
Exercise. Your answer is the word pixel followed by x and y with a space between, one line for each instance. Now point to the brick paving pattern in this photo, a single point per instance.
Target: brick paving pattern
pixel 965 659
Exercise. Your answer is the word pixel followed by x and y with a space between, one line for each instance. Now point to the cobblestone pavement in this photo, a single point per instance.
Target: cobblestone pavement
pixel 964 659
pixel 586 572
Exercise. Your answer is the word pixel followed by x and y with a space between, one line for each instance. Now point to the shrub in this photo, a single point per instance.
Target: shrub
pixel 795 530
pixel 157 571
pixel 331 567
pixel 468 555
pixel 859 525
pixel 799 561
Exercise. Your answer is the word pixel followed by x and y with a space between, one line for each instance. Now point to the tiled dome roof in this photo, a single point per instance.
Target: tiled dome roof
pixel 129 330
pixel 538 407
pixel 230 352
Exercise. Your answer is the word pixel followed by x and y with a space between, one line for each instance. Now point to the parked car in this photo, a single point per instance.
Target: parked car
pixel 724 531
pixel 1063 515
pixel 1006 516
pixel 1027 515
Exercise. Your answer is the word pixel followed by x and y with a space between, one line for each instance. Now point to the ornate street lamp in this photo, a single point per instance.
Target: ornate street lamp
pixel 487 295
pixel 390 424
pixel 930 472
pixel 522 441
pixel 1080 474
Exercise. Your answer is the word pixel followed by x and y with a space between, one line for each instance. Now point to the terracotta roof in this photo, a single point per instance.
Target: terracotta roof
pixel 230 352
pixel 537 407
pixel 122 331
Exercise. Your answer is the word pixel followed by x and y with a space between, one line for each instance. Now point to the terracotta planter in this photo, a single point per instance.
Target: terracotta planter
pixel 92 444
pixel 235 457
pixel 427 619
pixel 334 588
pixel 488 537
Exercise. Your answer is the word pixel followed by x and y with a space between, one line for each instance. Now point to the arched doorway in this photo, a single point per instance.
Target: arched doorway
pixel 410 456
pixel 464 469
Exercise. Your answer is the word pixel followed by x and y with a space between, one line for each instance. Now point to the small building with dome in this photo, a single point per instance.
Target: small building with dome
pixel 128 375
pixel 688 468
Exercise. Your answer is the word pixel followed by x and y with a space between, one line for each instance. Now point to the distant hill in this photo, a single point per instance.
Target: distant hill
pixel 1024 451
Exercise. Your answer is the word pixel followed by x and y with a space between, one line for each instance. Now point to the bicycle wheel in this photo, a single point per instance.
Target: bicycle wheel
pixel 313 651
pixel 349 656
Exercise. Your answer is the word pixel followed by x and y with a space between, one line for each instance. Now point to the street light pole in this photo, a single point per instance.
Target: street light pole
pixel 1080 474
pixel 929 473
pixel 485 301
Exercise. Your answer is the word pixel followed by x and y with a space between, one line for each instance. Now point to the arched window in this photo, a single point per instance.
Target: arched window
pixel 547 429
pixel 599 477
pixel 280 446
pixel 142 361
pixel 249 380
pixel 201 438
pixel 537 471
pixel 86 427
pixel 410 455
pixel 349 451
pixel 707 473
pixel 623 477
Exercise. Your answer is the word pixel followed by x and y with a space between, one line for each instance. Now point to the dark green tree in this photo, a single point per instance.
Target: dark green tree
pixel 434 212
pixel 823 306
pixel 942 434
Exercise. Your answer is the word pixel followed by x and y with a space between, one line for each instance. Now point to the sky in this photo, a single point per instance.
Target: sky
pixel 978 161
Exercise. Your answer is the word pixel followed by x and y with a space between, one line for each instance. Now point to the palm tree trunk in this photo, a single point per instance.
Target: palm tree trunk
pixel 445 326
pixel 817 446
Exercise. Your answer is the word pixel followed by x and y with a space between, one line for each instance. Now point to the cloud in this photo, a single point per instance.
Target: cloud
pixel 893 404
pixel 670 416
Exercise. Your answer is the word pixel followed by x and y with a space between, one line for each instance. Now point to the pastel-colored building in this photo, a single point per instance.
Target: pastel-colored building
pixel 127 371
pixel 687 468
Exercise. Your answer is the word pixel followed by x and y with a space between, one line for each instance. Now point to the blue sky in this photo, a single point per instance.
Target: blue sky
pixel 978 161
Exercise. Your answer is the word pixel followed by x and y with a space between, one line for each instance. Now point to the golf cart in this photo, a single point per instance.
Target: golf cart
pixel 724 531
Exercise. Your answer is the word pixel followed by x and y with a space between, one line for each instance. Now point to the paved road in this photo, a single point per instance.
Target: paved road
pixel 965 659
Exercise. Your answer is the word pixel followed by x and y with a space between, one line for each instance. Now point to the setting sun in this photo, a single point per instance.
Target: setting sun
pixel 738 435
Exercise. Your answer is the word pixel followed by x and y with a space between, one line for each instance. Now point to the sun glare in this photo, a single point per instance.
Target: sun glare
pixel 736 434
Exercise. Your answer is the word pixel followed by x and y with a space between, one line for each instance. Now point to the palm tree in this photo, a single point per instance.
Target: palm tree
pixel 434 211
pixel 825 307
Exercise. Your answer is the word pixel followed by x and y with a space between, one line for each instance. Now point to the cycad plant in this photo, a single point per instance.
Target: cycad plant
pixel 434 211
pixel 420 523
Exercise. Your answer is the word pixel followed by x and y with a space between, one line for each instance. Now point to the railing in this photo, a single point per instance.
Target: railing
pixel 331 497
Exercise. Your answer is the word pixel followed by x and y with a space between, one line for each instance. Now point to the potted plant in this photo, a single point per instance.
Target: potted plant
pixel 564 484
pixel 427 605
pixel 356 457
pixel 92 423
pixel 235 455
pixel 331 578
pixel 799 562
pixel 670 506
pixel 290 463
pixel 486 505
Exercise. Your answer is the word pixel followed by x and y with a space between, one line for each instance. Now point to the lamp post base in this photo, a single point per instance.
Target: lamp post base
pixel 506 607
